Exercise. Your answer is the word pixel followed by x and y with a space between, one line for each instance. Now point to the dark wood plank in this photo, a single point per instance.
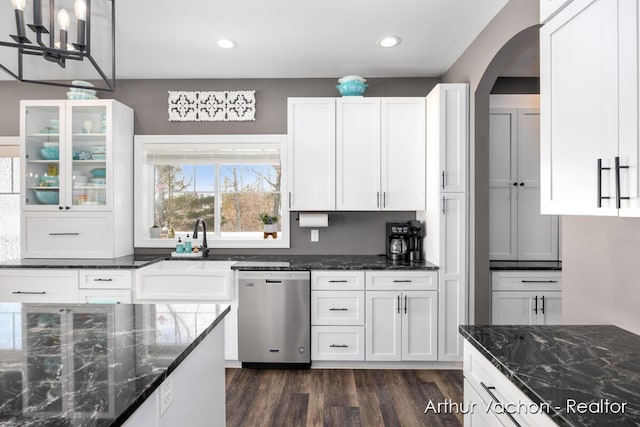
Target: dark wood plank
pixel 342 416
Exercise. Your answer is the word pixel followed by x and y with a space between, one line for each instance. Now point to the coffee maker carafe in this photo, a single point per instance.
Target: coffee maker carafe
pixel 414 244
pixel 397 241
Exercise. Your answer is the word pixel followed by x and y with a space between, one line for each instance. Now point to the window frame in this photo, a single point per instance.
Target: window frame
pixel 144 190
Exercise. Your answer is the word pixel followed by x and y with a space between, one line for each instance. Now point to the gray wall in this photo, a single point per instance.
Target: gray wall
pixel 480 65
pixel 600 271
pixel 348 232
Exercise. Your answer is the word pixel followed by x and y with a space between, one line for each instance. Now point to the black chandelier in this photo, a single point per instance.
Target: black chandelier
pixel 60 48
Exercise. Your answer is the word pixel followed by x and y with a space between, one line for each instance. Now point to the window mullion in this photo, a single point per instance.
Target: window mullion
pixel 218 203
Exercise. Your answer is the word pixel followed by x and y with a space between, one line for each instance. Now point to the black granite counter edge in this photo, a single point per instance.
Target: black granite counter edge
pixel 124 416
pixel 556 416
pixel 335 268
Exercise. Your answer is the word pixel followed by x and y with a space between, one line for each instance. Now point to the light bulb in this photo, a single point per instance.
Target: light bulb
pixel 81 9
pixel 63 19
pixel 19 4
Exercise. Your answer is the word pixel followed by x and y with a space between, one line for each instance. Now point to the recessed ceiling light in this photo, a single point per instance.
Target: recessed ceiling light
pixel 390 41
pixel 226 43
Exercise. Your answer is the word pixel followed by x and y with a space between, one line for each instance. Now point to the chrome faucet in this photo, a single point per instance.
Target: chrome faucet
pixel 203 248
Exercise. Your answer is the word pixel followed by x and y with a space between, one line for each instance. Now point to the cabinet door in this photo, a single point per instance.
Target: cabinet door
pixel 537 234
pixel 453 126
pixel 503 155
pixel 513 308
pixel 578 50
pixel 452 275
pixel 419 325
pixel 311 136
pixel 403 154
pixel 358 154
pixel 383 325
pixel 39 285
pixel 550 308
pixel 42 145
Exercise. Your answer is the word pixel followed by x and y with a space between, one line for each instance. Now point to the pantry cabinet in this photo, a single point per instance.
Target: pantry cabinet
pixel 589 109
pixel 356 153
pixel 78 169
pixel 518 230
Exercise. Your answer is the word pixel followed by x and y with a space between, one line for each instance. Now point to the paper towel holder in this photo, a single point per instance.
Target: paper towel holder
pixel 313 219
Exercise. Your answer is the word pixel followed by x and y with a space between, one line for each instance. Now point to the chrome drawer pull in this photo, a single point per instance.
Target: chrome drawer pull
pixel 338 346
pixel 337 281
pixel 402 281
pixel 64 234
pixel 538 281
pixel 103 280
pixel 28 293
pixel 493 396
pixel 338 309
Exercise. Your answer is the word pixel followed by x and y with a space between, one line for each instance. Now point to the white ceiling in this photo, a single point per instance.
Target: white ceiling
pixel 291 38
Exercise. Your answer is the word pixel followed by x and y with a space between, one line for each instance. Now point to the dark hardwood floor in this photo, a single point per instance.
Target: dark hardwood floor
pixel 340 397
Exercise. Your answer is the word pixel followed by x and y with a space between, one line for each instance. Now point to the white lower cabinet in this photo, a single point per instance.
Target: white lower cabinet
pixel 337 307
pixel 105 296
pixel 39 285
pixel 337 342
pixel 526 298
pixel 490 391
pixel 105 286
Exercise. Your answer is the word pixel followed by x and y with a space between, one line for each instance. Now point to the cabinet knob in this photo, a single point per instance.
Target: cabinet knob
pixel 515 184
pixel 66 207
pixel 522 184
pixel 60 207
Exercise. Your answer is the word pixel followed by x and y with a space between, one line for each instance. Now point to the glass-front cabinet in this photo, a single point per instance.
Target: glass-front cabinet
pixel 77 178
pixel 67 155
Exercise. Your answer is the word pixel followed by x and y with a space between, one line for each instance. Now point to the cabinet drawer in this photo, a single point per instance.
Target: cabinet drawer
pixel 68 236
pixel 105 296
pixel 484 377
pixel 337 280
pixel 105 279
pixel 39 286
pixel 401 280
pixel 337 343
pixel 526 281
pixel 337 307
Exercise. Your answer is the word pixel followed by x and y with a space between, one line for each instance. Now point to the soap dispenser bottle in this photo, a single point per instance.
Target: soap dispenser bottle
pixel 187 244
pixel 179 246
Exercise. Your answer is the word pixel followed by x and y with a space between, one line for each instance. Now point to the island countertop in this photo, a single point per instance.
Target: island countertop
pixel 559 364
pixel 92 365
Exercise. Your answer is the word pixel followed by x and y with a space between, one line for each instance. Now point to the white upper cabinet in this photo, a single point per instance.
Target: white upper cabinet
pixel 518 230
pixel 403 153
pixel 311 129
pixel 447 134
pixel 358 154
pixel 589 112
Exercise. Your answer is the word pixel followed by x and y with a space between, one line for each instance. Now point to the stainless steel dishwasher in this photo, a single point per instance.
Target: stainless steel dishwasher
pixel 274 319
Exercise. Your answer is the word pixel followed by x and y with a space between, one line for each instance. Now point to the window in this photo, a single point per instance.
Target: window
pixel 228 181
pixel 9 199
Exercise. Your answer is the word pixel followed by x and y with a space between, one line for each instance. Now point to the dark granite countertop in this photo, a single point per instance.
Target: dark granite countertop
pixel 525 265
pixel 92 365
pixel 557 363
pixel 125 262
pixel 245 262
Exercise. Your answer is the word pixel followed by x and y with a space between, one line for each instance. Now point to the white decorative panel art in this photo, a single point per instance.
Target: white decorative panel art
pixel 210 106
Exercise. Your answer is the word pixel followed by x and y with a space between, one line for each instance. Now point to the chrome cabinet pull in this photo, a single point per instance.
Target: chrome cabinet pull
pixel 489 390
pixel 339 346
pixel 289 199
pixel 535 308
pixel 398 304
pixel 103 280
pixel 405 304
pixel 402 281
pixel 600 196
pixel 384 199
pixel 618 197
pixel 443 180
pixel 542 304
pixel 64 234
pixel 337 281
pixel 538 281
pixel 28 293
pixel 444 204
pixel 338 309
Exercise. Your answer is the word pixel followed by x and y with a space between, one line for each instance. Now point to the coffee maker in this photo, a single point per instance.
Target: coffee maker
pixel 404 241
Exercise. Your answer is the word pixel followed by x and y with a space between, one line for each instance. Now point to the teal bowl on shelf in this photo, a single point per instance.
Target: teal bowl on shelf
pixel 47 197
pixel 352 88
pixel 99 173
pixel 50 181
pixel 50 153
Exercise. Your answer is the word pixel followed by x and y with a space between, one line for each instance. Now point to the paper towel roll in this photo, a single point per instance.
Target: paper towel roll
pixel 313 220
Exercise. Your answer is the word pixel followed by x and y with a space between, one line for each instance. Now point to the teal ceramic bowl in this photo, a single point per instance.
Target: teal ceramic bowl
pixel 50 181
pixel 50 153
pixel 99 173
pixel 352 88
pixel 47 197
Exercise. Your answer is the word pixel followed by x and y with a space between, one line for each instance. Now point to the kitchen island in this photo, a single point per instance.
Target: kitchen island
pixel 553 375
pixel 112 365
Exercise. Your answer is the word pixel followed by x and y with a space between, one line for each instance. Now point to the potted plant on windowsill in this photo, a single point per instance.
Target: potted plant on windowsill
pixel 154 232
pixel 270 225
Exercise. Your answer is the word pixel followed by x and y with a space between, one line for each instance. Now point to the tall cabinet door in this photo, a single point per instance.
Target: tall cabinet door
pixel 503 169
pixel 419 322
pixel 358 154
pixel 383 325
pixel 454 134
pixel 452 274
pixel 312 152
pixel 403 153
pixel 537 234
pixel 578 50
